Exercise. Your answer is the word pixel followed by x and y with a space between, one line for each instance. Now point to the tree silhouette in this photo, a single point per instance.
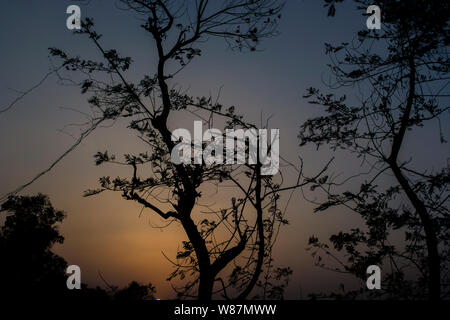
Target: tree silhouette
pixel 402 73
pixel 243 233
pixel 28 266
pixel 135 292
pixel 30 230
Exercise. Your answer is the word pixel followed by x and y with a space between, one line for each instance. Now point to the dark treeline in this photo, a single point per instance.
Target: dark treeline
pixel 29 269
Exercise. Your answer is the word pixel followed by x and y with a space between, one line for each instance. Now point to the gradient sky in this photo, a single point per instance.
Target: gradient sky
pixel 106 233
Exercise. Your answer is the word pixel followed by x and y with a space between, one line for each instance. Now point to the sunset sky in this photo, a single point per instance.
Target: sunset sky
pixel 108 234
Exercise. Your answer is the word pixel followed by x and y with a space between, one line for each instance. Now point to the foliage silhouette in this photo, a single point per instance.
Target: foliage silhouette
pixel 243 233
pixel 30 230
pixel 29 268
pixel 135 292
pixel 402 73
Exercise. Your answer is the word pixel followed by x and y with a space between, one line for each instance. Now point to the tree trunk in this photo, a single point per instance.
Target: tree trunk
pixel 198 243
pixel 434 281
